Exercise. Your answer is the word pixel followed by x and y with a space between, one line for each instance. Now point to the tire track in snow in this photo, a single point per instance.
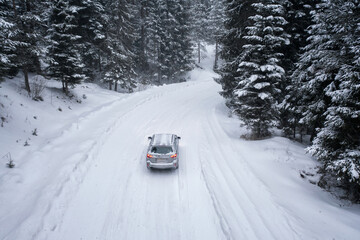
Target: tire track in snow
pixel 241 217
pixel 75 173
pixel 177 201
pixel 222 220
pixel 242 194
pixel 63 194
pixel 112 221
pixel 66 189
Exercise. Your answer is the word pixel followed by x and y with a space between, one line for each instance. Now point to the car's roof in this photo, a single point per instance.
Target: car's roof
pixel 163 139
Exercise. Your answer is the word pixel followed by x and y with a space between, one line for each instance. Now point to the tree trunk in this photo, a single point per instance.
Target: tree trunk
pixel 199 51
pixel 14 7
pixel 66 87
pixel 294 131
pixel 26 77
pixel 63 85
pixel 216 55
pixel 158 60
pixel 110 85
pixel 115 87
pixel 28 6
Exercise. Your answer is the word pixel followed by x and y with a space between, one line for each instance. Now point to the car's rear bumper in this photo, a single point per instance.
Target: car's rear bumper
pixel 172 164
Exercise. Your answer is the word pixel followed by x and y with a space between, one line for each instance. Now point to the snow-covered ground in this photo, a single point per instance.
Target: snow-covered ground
pixel 84 175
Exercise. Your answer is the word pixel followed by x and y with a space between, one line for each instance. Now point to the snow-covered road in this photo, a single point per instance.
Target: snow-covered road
pixel 98 187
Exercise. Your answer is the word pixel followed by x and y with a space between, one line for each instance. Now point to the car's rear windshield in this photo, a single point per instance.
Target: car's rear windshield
pixel 161 149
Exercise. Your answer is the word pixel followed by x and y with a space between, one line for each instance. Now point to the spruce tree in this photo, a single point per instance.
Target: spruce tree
pixel 299 19
pixel 66 64
pixel 119 66
pixel 185 54
pixel 216 26
pixel 25 36
pixel 237 19
pixel 140 42
pixel 177 49
pixel 164 44
pixel 7 45
pixel 200 26
pixel 315 71
pixel 92 26
pixel 336 39
pixel 151 37
pixel 260 73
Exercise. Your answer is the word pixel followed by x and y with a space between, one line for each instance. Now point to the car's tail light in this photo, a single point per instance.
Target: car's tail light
pixel 149 156
pixel 173 156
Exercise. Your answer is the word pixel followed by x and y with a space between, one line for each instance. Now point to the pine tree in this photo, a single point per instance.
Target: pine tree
pixel 185 54
pixel 299 19
pixel 66 64
pixel 7 45
pixel 25 36
pixel 237 19
pixel 181 43
pixel 119 67
pixel 152 41
pixel 164 46
pixel 176 47
pixel 335 37
pixel 166 43
pixel 92 26
pixel 151 38
pixel 200 26
pixel 216 25
pixel 260 73
pixel 140 42
pixel 315 71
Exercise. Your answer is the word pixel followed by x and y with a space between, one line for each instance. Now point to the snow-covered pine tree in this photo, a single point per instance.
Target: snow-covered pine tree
pixel 65 62
pixel 180 52
pixel 152 37
pixel 25 35
pixel 166 43
pixel 163 46
pixel 237 18
pixel 200 26
pixel 315 71
pixel 141 40
pixel 337 143
pixel 260 73
pixel 92 26
pixel 216 25
pixel 299 19
pixel 7 46
pixel 119 66
pixel 185 54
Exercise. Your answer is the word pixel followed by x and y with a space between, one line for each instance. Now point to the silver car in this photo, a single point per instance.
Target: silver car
pixel 163 151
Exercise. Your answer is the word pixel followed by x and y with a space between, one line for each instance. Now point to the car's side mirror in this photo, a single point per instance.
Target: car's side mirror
pixel 178 137
pixel 150 138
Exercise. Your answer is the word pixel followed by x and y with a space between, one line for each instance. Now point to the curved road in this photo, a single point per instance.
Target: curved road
pixel 208 197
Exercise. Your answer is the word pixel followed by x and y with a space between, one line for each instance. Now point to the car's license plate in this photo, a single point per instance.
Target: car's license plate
pixel 161 160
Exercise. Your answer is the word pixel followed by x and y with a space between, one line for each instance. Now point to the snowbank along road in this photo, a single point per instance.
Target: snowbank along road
pixel 92 181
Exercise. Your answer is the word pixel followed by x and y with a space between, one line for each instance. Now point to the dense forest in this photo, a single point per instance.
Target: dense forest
pixel 121 42
pixel 287 64
pixel 294 64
